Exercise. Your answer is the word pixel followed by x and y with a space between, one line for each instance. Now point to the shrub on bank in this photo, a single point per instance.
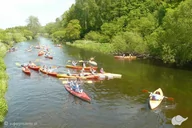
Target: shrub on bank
pixel 3 83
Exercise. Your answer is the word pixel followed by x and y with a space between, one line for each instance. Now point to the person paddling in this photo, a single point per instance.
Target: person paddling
pixel 50 69
pixel 84 65
pixel 92 70
pixel 102 71
pixel 156 96
pixel 82 72
pixel 74 63
pixel 68 72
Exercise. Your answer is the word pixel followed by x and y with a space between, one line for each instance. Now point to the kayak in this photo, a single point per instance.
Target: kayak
pixel 49 57
pixel 80 67
pixel 67 76
pixel 90 76
pixel 155 103
pixel 92 63
pixel 48 73
pixel 26 71
pixel 34 67
pixel 125 57
pixel 103 75
pixel 58 45
pixel 40 53
pixel 112 75
pixel 82 95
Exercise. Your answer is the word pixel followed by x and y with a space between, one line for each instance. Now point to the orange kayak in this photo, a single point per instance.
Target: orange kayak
pixel 77 76
pixel 26 71
pixel 48 73
pixel 40 53
pixel 34 67
pixel 125 57
pixel 80 67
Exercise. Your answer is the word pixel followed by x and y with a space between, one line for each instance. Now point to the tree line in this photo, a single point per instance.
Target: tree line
pixel 160 28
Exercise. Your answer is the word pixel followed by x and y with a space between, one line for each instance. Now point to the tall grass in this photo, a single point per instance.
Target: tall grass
pixel 3 83
pixel 105 48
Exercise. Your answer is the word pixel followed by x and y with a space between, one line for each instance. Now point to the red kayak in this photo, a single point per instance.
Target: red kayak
pixel 26 71
pixel 49 73
pixel 82 95
pixel 40 53
pixel 34 67
pixel 50 57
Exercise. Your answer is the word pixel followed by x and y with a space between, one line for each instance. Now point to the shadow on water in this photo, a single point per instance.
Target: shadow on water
pixel 42 101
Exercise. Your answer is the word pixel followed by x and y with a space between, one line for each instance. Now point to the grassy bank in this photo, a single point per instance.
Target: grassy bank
pixel 105 48
pixel 3 82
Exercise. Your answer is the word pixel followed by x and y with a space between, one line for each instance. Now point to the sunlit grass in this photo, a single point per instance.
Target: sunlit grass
pixel 106 48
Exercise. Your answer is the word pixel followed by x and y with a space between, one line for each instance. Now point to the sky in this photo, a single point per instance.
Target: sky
pixel 15 12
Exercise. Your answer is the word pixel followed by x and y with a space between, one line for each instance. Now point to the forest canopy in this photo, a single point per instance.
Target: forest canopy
pixel 156 27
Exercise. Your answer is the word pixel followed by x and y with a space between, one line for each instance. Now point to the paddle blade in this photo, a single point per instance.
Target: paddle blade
pixel 65 82
pixel 54 66
pixel 145 91
pixel 170 98
pixel 89 82
pixel 81 61
pixel 18 64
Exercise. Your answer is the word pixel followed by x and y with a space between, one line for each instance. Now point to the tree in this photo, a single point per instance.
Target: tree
pixel 33 24
pixel 73 30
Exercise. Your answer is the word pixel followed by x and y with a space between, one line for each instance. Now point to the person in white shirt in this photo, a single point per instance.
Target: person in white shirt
pixel 156 96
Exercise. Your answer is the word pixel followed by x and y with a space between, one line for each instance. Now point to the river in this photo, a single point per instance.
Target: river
pixel 41 101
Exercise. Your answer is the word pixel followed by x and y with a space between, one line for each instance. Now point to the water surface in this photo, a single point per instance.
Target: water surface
pixel 41 101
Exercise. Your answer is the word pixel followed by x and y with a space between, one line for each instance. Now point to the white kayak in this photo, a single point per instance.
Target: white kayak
pixel 113 75
pixel 155 103
pixel 92 63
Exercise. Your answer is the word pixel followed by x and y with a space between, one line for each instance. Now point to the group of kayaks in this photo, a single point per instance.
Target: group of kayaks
pixel 130 57
pixel 86 76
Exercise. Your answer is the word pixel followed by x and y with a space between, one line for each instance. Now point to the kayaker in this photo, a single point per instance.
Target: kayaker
pixel 50 69
pixel 92 70
pixel 84 65
pixel 74 63
pixel 82 72
pixel 68 72
pixel 155 96
pixel 102 71
pixel 44 67
pixel 91 59
pixel 25 67
pixel 30 63
pixel 73 85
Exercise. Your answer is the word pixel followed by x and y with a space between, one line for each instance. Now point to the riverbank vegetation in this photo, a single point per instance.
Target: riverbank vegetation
pixel 161 29
pixel 8 37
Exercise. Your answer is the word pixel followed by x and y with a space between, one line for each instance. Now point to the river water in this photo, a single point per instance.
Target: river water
pixel 41 101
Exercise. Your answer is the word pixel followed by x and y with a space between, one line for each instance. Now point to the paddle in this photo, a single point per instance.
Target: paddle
pixel 169 98
pixel 18 64
pixel 78 61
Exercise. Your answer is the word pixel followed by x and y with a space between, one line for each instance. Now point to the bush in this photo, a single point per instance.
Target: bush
pixel 58 36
